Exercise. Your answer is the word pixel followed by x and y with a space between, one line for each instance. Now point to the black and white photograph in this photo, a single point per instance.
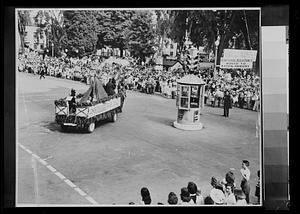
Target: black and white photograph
pixel 138 107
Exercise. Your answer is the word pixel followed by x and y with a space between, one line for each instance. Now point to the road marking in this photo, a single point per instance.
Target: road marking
pixel 70 183
pixel 51 168
pixel 91 200
pixel 43 162
pixel 80 191
pixel 61 176
pixel 36 157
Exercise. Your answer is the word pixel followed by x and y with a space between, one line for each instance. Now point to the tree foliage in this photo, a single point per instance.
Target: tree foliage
pixel 23 21
pixel 114 28
pixel 81 29
pixel 141 39
pixel 203 27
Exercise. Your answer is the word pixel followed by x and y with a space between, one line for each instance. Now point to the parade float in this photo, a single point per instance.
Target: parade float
pixel 84 110
pixel 189 101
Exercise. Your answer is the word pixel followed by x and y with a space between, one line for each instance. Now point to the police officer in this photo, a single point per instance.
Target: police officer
pixel 227 103
pixel 42 71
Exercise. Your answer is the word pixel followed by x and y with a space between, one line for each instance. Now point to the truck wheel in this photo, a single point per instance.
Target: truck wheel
pixel 63 127
pixel 114 118
pixel 91 127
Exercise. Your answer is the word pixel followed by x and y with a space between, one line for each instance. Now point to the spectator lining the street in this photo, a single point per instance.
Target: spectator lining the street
pixel 229 196
pixel 245 172
pixel 172 198
pixel 240 197
pixel 185 197
pixel 208 200
pixel 257 187
pixel 146 198
pixel 195 193
pixel 217 196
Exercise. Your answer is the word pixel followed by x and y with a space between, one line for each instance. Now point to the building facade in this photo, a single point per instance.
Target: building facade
pixel 35 39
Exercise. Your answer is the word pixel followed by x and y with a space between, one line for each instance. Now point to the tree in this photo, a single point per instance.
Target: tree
pixel 204 26
pixel 114 28
pixel 141 38
pixel 163 27
pixel 81 29
pixel 23 21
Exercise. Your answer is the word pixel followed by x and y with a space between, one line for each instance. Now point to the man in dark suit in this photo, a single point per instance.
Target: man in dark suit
pixel 227 103
pixel 42 71
pixel 110 87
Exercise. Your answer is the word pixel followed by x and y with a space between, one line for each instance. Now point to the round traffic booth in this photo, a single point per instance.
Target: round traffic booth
pixel 189 101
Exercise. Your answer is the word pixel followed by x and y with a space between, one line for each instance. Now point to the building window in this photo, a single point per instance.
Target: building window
pixel 171 46
pixel 171 53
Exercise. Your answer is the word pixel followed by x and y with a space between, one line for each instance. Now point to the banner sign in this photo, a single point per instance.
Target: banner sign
pixel 234 63
pixel 104 107
pixel 206 65
pixel 240 54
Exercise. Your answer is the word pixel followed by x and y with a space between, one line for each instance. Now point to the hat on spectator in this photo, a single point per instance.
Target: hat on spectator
pixel 217 196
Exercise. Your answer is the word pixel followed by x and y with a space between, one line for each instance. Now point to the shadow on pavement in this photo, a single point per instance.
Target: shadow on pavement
pixel 161 120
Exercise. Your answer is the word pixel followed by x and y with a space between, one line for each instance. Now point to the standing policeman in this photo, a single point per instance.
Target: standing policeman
pixel 42 71
pixel 227 103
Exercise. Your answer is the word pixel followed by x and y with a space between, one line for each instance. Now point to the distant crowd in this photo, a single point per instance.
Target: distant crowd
pixel 243 86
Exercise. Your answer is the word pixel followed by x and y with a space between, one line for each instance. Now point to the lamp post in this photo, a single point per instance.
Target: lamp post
pixel 234 38
pixel 52 45
pixel 217 42
pixel 66 51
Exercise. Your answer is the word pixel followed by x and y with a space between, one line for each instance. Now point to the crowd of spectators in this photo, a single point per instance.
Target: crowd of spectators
pixel 243 86
pixel 223 192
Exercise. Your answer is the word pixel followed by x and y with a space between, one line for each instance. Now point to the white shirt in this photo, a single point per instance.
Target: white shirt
pixel 245 174
pixel 191 202
pixel 230 199
pixel 241 202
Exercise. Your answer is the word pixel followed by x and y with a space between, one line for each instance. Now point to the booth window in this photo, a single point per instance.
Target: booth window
pixel 184 98
pixel 194 97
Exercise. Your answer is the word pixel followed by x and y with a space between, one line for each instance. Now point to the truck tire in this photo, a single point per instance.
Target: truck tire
pixel 91 127
pixel 114 117
pixel 63 127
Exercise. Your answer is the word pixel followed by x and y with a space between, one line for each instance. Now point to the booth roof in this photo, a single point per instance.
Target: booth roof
pixel 191 79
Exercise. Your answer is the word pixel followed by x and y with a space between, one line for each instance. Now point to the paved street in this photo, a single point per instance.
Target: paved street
pixel 142 148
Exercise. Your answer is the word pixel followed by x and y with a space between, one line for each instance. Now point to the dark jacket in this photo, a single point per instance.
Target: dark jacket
pixel 227 101
pixel 110 88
